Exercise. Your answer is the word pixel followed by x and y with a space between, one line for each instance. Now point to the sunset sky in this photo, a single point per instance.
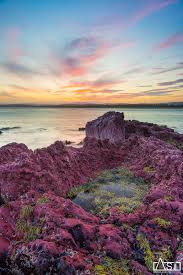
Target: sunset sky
pixel 97 51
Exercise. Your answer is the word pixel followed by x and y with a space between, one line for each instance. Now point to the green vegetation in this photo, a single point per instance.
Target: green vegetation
pixel 110 266
pixel 26 211
pixel 113 188
pixel 24 225
pixel 43 199
pixel 165 254
pixel 148 254
pixel 30 231
pixel 99 270
pixel 148 169
pixel 105 177
pixel 149 257
pixel 162 222
pixel 168 198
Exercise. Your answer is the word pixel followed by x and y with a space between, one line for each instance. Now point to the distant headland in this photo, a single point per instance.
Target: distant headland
pixel 95 105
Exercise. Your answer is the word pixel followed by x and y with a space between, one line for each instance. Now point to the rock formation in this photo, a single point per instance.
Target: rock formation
pixel 109 126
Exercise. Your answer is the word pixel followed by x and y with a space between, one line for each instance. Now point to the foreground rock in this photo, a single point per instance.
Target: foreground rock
pixel 56 168
pixel 43 232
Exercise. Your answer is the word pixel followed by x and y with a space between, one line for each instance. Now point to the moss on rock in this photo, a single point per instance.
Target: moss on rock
pixel 113 188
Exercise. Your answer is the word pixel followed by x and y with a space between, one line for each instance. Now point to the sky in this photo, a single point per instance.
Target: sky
pixel 99 51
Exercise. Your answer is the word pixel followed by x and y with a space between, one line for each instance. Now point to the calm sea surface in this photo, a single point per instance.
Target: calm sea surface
pixel 39 127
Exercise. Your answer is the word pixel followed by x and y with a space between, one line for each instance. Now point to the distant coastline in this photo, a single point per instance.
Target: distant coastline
pixel 92 105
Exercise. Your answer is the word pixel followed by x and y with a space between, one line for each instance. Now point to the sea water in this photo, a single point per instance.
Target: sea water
pixel 40 127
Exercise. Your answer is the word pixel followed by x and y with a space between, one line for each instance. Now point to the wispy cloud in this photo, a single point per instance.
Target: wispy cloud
pixel 157 93
pixel 179 87
pixel 153 6
pixel 117 93
pixel 148 9
pixel 82 53
pixel 134 71
pixel 95 84
pixel 6 94
pixel 100 86
pixel 144 86
pixel 170 83
pixel 19 69
pixel 179 66
pixel 169 42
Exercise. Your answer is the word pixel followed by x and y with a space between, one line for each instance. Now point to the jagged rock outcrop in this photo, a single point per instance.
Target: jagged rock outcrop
pixel 109 126
pixel 113 127
pixel 149 129
pixel 56 168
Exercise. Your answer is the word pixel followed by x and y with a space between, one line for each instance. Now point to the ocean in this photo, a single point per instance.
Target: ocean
pixel 40 127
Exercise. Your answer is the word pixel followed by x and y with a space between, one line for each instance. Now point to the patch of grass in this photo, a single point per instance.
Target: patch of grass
pixel 99 270
pixel 24 225
pixel 148 254
pixel 162 222
pixel 148 169
pixel 105 177
pixel 26 211
pixel 165 254
pixel 86 188
pixel 116 187
pixel 31 232
pixel 127 205
pixel 116 267
pixel 168 198
pixel 43 199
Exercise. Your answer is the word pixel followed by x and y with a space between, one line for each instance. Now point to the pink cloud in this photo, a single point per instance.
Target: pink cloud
pixel 82 53
pixel 150 8
pixel 171 41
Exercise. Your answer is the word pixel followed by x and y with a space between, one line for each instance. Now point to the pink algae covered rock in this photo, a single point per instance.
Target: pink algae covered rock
pixel 59 230
pixel 150 129
pixel 11 151
pixel 4 245
pixel 39 226
pixel 56 168
pixel 109 126
pixel 137 268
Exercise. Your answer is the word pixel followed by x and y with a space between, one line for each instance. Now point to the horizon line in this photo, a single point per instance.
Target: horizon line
pixel 94 105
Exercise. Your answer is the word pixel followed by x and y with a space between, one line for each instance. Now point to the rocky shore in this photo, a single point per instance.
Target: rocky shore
pixel 42 231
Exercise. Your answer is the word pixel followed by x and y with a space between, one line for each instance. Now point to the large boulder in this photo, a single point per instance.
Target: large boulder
pixel 109 126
